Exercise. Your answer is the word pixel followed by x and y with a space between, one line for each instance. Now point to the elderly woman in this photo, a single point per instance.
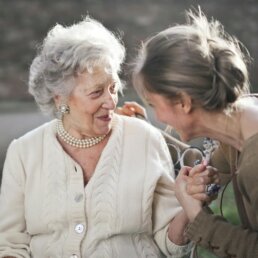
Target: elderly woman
pixel 195 77
pixel 90 183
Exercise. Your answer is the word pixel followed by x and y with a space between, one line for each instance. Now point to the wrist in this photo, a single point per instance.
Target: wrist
pixel 177 228
pixel 193 212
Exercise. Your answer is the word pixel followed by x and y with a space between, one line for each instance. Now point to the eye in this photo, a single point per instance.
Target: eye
pixel 96 93
pixel 113 88
pixel 151 105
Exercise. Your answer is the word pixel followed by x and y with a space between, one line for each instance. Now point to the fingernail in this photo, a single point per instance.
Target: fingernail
pixel 205 162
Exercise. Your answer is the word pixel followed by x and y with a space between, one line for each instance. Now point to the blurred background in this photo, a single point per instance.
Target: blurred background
pixel 24 24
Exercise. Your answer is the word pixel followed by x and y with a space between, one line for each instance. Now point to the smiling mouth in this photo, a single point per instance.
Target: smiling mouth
pixel 105 118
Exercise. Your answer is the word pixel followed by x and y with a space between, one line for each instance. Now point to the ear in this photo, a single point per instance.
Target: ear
pixel 57 100
pixel 186 102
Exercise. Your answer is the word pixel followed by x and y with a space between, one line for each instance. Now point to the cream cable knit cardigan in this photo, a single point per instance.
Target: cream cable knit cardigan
pixel 123 212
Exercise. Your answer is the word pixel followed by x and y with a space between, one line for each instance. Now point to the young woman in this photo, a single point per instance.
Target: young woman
pixel 195 77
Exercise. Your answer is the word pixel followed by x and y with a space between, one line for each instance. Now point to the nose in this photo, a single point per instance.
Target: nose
pixel 110 101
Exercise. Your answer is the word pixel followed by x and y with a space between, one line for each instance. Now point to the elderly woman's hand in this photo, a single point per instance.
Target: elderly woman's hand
pixel 200 177
pixel 191 205
pixel 132 108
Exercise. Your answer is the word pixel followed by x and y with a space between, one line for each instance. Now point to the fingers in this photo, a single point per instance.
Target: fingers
pixel 210 171
pixel 206 179
pixel 201 176
pixel 204 175
pixel 131 109
pixel 182 179
pixel 134 104
pixel 197 169
pixel 190 204
pixel 136 107
pixel 201 197
pixel 119 110
pixel 198 191
pixel 194 189
pixel 125 111
pixel 184 171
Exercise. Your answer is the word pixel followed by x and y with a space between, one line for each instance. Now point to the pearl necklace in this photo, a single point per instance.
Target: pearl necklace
pixel 75 142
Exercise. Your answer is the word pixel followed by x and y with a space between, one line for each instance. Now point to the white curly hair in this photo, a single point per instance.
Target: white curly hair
pixel 68 51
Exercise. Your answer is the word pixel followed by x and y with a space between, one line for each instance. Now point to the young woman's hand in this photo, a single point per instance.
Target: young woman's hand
pixel 132 108
pixel 200 177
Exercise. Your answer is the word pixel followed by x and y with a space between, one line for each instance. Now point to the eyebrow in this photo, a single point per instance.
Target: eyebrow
pixel 100 85
pixel 104 84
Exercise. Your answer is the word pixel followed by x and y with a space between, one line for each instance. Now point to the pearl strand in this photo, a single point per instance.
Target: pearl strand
pixel 75 142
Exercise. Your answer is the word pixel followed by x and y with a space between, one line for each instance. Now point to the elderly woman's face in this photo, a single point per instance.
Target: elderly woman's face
pixel 92 103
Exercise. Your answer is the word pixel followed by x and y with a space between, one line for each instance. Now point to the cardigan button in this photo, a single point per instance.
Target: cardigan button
pixel 79 228
pixel 78 197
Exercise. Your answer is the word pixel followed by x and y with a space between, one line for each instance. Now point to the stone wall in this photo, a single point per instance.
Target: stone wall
pixel 24 23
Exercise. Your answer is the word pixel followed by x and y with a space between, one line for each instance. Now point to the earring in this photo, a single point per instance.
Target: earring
pixel 64 109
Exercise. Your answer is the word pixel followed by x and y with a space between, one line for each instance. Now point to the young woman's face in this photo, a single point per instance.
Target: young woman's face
pixel 92 103
pixel 173 114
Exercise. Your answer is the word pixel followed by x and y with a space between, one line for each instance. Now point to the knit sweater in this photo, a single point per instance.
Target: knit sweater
pixel 124 210
pixel 214 232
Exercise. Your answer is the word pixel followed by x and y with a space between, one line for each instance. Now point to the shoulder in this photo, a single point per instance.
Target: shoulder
pixel 142 134
pixel 145 142
pixel 248 108
pixel 34 137
pixel 250 147
pixel 136 125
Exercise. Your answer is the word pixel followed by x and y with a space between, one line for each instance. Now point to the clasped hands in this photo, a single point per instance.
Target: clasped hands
pixel 191 188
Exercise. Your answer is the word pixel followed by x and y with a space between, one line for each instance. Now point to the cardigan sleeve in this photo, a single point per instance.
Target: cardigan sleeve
pixel 165 204
pixel 14 240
